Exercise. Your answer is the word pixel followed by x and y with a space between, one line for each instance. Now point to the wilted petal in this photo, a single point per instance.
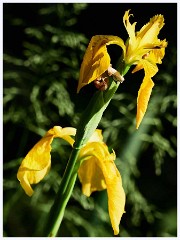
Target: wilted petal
pixel 27 175
pixel 145 90
pixel 100 171
pixel 143 99
pixel 65 133
pixel 37 162
pixel 91 176
pixel 96 59
pixel 116 195
pixel 89 173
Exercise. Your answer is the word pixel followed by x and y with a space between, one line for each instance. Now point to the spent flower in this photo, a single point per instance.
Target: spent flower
pixel 96 172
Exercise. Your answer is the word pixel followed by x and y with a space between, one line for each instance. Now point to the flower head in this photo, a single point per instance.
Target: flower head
pixel 143 41
pixel 97 171
pixel 142 48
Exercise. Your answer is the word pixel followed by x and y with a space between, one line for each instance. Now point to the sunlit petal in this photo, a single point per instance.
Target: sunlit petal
pixel 91 176
pixel 145 90
pixel 37 162
pixel 150 31
pixel 96 59
pixel 116 195
pixel 156 55
pixel 107 176
pixel 143 42
pixel 130 28
pixel 97 136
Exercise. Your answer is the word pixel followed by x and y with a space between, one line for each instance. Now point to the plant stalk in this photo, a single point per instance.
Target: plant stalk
pixel 65 189
pixel 88 124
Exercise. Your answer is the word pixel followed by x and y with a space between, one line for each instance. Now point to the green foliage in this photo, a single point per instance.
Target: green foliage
pixel 40 81
pixel 44 73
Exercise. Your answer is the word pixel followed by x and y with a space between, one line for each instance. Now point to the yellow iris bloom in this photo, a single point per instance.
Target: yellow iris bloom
pixel 97 171
pixel 143 49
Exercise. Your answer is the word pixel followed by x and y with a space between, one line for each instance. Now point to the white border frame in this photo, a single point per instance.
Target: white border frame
pixel 1 101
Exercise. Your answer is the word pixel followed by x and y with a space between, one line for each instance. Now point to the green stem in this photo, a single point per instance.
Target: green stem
pixel 63 202
pixel 57 211
pixel 89 122
pixel 93 114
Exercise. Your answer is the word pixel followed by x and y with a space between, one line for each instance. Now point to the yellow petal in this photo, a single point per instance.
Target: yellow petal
pixel 156 55
pixel 37 162
pixel 86 151
pixel 91 177
pixel 116 194
pixel 63 133
pixel 142 42
pixel 97 136
pixel 145 90
pixel 138 67
pixel 115 191
pixel 130 28
pixel 150 31
pixel 96 59
pixel 100 171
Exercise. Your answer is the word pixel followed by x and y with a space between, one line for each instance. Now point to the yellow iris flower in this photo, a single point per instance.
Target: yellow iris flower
pixel 97 171
pixel 143 49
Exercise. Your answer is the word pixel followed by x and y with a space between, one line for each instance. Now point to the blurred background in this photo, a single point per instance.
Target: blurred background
pixel 44 46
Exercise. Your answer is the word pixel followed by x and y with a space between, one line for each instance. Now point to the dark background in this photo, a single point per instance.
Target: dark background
pixel 43 47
